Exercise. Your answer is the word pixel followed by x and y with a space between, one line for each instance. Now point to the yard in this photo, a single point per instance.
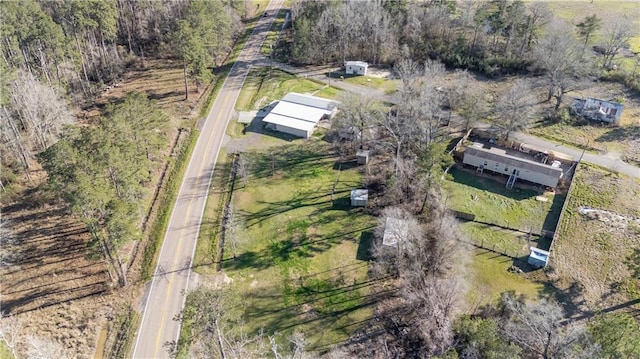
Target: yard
pixel 298 265
pixel 264 85
pixel 498 207
pixel 595 252
pixel 387 85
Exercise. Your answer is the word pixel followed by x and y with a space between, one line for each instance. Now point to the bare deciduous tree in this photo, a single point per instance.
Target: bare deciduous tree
pixel 537 328
pixel 559 55
pixel 40 110
pixel 514 108
pixel 358 113
pixel 10 329
pixel 429 263
pixel 615 36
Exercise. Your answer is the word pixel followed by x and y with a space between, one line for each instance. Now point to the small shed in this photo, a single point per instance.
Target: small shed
pixel 363 157
pixel 538 257
pixel 356 67
pixel 395 230
pixel 359 197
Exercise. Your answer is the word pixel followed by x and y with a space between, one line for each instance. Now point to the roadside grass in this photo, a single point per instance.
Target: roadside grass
pixel 296 268
pixel 204 261
pixel 274 31
pixel 387 85
pixel 491 202
pixel 597 254
pixel 264 85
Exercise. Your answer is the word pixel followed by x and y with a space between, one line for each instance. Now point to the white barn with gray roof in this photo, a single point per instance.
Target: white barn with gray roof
pixel 298 114
pixel 498 161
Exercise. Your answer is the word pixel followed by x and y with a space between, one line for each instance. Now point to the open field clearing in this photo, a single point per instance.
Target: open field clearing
pixel 595 254
pixel 576 11
pixel 298 266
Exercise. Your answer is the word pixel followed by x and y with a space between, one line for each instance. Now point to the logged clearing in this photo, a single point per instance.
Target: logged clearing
pixel 592 259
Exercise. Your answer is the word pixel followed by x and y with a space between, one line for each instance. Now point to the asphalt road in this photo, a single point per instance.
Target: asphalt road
pixel 166 297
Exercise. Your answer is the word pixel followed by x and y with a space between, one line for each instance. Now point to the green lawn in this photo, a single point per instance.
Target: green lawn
pixel 296 268
pixel 492 278
pixel 388 86
pixel 491 202
pixel 262 86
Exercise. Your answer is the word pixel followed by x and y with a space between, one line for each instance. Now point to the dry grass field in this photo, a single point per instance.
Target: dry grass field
pixel 592 265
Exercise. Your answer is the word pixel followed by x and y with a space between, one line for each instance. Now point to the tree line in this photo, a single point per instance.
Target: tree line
pixel 490 37
pixel 57 56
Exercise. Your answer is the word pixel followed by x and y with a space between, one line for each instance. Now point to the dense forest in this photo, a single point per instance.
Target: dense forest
pixel 489 37
pixel 58 57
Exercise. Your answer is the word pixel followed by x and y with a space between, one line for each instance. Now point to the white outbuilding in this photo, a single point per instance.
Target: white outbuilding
pixel 356 67
pixel 359 197
pixel 298 114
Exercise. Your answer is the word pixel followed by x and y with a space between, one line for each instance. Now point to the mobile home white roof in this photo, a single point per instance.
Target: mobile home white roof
pixel 309 100
pixel 296 123
pixel 306 113
pixel 356 63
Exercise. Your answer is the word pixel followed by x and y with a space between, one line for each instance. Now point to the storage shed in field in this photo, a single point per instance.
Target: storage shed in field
pixel 356 67
pixel 538 257
pixel 298 114
pixel 498 161
pixel 359 197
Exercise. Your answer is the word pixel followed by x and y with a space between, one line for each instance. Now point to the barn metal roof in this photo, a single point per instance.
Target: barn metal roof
pixel 309 100
pixel 289 122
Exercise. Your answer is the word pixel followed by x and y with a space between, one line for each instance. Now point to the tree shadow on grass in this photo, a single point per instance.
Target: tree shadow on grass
pixel 291 248
pixel 365 246
pixel 330 309
pixel 300 200
pixel 297 161
pixel 620 134
pixel 571 298
pixel 553 216
pixel 489 184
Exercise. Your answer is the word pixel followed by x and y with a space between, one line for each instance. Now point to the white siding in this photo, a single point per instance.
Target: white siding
pixel 293 131
pixel 499 167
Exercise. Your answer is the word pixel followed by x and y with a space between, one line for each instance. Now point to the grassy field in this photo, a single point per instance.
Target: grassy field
pixel 492 278
pixel 491 202
pixel 263 86
pixel 576 11
pixel 595 254
pixel 388 86
pixel 297 266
